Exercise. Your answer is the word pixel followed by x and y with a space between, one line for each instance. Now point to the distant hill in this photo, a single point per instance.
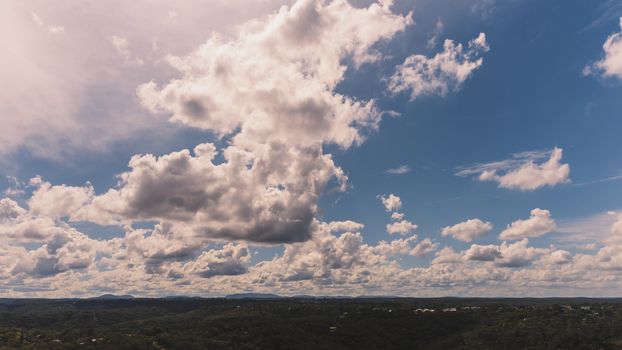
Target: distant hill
pixel 253 296
pixel 114 297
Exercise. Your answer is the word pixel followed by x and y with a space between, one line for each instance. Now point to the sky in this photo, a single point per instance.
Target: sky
pixel 319 147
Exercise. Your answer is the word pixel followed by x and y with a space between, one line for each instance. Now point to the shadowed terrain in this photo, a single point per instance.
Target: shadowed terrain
pixel 247 322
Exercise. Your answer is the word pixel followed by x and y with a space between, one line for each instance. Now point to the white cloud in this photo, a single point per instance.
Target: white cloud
pixel 396 247
pixel 262 89
pixel 269 194
pixel 447 255
pixel 585 230
pixel 522 172
pixel 56 29
pixel 444 72
pixel 557 257
pixel 209 209
pixel 59 201
pixel 424 247
pixel 391 202
pixel 36 19
pixel 402 169
pixel 276 79
pixel 538 224
pixel 397 216
pixel 231 260
pixel 122 46
pixel 468 230
pixel 483 252
pixel 438 30
pixel 611 64
pixel 402 227
pixel 517 254
pixel 9 209
pixel 85 95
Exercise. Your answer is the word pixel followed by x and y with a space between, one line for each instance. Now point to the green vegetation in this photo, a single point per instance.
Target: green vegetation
pixel 311 324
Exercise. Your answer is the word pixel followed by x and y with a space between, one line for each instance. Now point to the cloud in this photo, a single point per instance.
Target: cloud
pixel 538 224
pixel 483 252
pixel 402 227
pixel 397 216
pixel 59 201
pixel 517 254
pixel 438 30
pixel 444 72
pixel 483 8
pixel 468 230
pixel 201 211
pixel 402 246
pixel 9 209
pixel 521 171
pixel 261 90
pixel 36 19
pixel 611 64
pixel 122 46
pixel 43 253
pixel 276 80
pixel 267 195
pixel 231 260
pixel 558 257
pixel 66 96
pixel 402 169
pixel 585 230
pixel 56 29
pixel 424 247
pixel 391 202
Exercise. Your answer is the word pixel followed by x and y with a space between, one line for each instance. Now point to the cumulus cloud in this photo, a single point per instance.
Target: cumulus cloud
pixel 9 209
pixel 276 81
pixel 538 224
pixel 611 64
pixel 402 227
pixel 271 90
pixel 59 201
pixel 231 260
pixel 445 72
pixel 391 202
pixel 517 254
pixel 424 247
pixel 468 230
pixel 85 94
pixel 483 252
pixel 557 257
pixel 522 171
pixel 269 195
pixel 54 259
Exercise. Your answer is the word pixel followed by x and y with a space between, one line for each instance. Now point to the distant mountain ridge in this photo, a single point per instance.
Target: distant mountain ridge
pixel 253 296
pixel 114 297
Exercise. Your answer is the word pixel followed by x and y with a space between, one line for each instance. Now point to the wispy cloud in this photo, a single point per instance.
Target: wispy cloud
pixel 597 181
pixel 588 229
pixel 526 171
pixel 400 170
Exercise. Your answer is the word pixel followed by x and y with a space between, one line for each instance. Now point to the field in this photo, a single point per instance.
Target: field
pixel 310 323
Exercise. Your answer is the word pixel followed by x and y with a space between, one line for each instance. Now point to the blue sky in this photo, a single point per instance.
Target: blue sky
pixel 545 82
